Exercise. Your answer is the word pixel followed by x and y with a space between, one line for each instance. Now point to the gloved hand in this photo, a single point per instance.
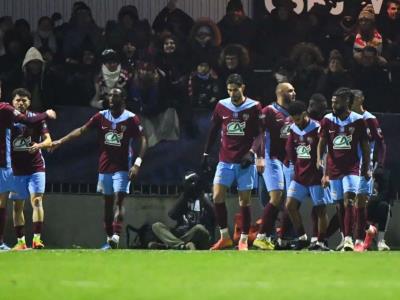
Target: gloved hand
pixel 247 160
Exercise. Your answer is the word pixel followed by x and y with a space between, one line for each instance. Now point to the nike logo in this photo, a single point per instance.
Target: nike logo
pixel 104 128
pixel 331 131
pixel 225 117
pixel 279 120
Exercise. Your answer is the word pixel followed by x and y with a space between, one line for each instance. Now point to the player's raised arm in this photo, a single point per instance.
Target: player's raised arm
pixel 74 134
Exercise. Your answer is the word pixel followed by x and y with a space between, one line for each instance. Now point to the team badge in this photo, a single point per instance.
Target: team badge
pixel 235 115
pixel 351 130
pixel 245 117
pixel 303 152
pixel 22 143
pixel 341 130
pixel 112 138
pixel 310 140
pixel 342 142
pixel 235 128
pixel 123 128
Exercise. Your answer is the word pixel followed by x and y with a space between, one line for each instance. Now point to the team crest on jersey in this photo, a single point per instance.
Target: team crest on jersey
pixel 123 128
pixel 351 130
pixel 245 117
pixel 342 142
pixel 303 152
pixel 112 138
pixel 235 128
pixel 285 131
pixel 22 143
pixel 310 140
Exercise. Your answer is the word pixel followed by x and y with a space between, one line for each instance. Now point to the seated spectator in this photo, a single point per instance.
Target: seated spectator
pixel 236 27
pixel 194 215
pixel 234 58
pixel 173 20
pixel 308 59
pixel 204 43
pixel 129 56
pixel 367 34
pixel 203 87
pixel 335 75
pixel 111 76
pixel 372 77
pixel 38 80
pixel 44 37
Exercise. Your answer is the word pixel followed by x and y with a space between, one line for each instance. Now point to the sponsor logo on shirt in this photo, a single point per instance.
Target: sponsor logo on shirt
pixel 285 131
pixel 303 152
pixel 22 143
pixel 236 128
pixel 342 142
pixel 112 138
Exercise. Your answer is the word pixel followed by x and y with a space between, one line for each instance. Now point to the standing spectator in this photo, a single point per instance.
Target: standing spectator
pixel 236 27
pixel 204 42
pixel 111 76
pixel 129 56
pixel 203 87
pixel 23 28
pixel 335 75
pixel 44 36
pixel 371 76
pixel 389 22
pixel 235 59
pixel 6 23
pixel 309 71
pixel 173 20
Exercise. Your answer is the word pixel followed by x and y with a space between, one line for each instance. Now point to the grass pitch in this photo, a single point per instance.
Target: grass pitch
pixel 125 274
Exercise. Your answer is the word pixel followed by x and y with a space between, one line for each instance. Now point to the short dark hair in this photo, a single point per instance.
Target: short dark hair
pixel 234 79
pixel 318 98
pixel 21 92
pixel 346 93
pixel 297 108
pixel 357 93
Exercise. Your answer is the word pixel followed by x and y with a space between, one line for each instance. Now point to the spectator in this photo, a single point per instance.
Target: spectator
pixel 236 27
pixel 194 214
pixel 335 75
pixel 173 20
pixel 389 22
pixel 111 76
pixel 367 34
pixel 308 59
pixel 235 58
pixel 203 87
pixel 129 57
pixel 23 28
pixel 80 28
pixel 6 24
pixel 371 76
pixel 204 42
pixel 44 37
pixel 38 80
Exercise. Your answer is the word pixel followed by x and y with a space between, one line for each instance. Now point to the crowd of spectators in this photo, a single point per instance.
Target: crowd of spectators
pixel 181 63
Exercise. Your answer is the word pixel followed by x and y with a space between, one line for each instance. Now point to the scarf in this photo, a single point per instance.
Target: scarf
pixel 110 78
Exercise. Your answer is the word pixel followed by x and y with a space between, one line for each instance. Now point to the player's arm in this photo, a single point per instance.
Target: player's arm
pixel 289 147
pixel 134 170
pixel 46 143
pixel 258 146
pixel 365 150
pixel 216 123
pixel 18 117
pixel 74 134
pixel 380 145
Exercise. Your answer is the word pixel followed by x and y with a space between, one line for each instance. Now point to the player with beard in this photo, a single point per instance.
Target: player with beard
pixel 28 167
pixel 378 210
pixel 276 175
pixel 116 129
pixel 238 118
pixel 9 115
pixel 344 132
pixel 301 149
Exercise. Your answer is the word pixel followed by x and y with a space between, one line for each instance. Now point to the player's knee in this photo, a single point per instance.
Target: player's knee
pixel 37 202
pixel 320 211
pixel 291 205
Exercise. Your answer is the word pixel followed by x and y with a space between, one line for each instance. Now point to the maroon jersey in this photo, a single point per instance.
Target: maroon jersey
pixel 301 149
pixel 239 125
pixel 375 138
pixel 343 140
pixel 277 127
pixel 9 115
pixel 22 137
pixel 115 137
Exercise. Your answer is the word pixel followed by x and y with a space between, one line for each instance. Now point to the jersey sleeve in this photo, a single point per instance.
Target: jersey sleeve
pixel 136 128
pixel 323 130
pixel 362 130
pixel 377 136
pixel 43 128
pixel 94 122
pixel 266 120
pixel 290 151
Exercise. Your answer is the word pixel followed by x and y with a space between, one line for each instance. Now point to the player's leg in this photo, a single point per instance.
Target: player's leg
pixel 121 183
pixel 164 234
pixel 350 188
pixel 275 182
pixel 197 237
pixel 337 221
pixel 383 222
pixel 320 200
pixel 6 180
pixel 360 218
pixel 296 195
pixel 246 181
pixel 105 187
pixel 36 187
pixel 20 186
pixel 223 179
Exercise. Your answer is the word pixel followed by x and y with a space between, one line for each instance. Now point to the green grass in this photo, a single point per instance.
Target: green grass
pixel 125 274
